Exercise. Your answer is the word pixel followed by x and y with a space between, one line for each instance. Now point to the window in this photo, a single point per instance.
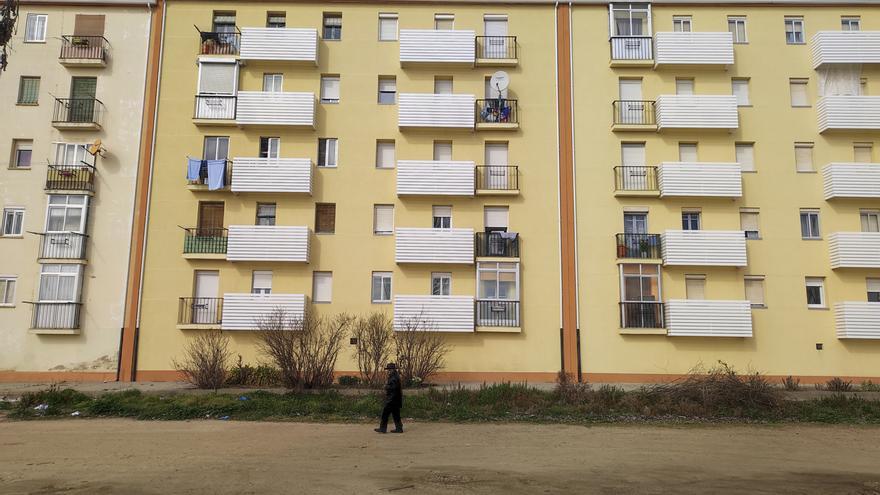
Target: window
pixel 754 285
pixel 794 30
pixel 325 218
pixel 815 292
pixel 7 291
pixel 803 157
pixel 496 218
pixel 442 217
pixel 13 222
pixel 810 224
pixel 695 286
pixel 873 289
pixel 266 213
pixel 269 147
pixel 863 152
pixel 28 90
pixel 59 283
pixel 35 29
pixel 385 154
pixel 870 220
pixel 850 23
pixel 22 149
pixel 687 152
pixel 387 27
pixel 218 78
pixel 442 85
pixel 798 90
pixel 322 287
pixel 73 154
pixel 441 284
pixel 216 148
pixel 276 20
pixel 261 283
pixel 272 83
pixel 640 284
pixel 380 291
pixel 387 90
pixel 442 151
pixel 737 27
pixel 690 220
pixel 499 281
pixel 332 26
pixel 383 219
pixel 684 86
pixel 328 152
pixel 329 89
pixel 681 23
pixel 224 22
pixel 630 19
pixel 632 154
pixel 444 22
pixel 66 213
pixel 740 89
pixel 745 156
pixel 748 221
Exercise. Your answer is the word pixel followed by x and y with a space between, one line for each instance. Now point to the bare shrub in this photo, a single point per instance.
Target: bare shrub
pixel 205 360
pixel 838 384
pixel 304 348
pixel 421 351
pixel 374 336
pixel 569 391
pixel 791 383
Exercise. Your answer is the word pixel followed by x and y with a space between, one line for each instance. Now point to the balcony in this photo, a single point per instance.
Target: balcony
pixel 497 180
pixel 854 249
pixel 638 246
pixel 268 243
pixel 83 51
pixel 690 48
pixel 632 51
pixel 697 112
pixel 704 248
pixel 204 243
pixel 244 311
pixel 78 114
pixel 57 317
pixel 280 44
pixel 849 113
pixel 435 178
pixel 214 43
pixel 276 109
pixel 845 47
pixel 857 320
pixel 497 114
pixel 427 110
pixel 641 315
pixel 434 313
pixel 496 314
pixel 426 245
pixel 633 115
pixel 497 244
pixel 199 312
pixel 80 178
pixel 208 175
pixel 442 47
pixel 708 318
pixel 276 175
pixel 215 109
pixel 635 181
pixel 851 180
pixel 497 51
pixel 66 246
pixel 700 180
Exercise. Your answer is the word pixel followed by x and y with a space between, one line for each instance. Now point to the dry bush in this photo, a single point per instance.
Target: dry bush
pixel 838 384
pixel 791 383
pixel 205 360
pixel 569 391
pixel 375 336
pixel 421 351
pixel 304 348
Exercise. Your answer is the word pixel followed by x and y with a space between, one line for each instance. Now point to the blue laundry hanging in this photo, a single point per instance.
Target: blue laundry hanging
pixel 216 174
pixel 193 166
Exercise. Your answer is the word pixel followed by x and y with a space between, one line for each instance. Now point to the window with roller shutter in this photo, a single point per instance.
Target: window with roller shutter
pixel 325 218
pixel 218 78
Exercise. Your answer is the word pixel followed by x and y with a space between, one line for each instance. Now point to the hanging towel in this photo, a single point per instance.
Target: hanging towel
pixel 192 169
pixel 511 236
pixel 216 174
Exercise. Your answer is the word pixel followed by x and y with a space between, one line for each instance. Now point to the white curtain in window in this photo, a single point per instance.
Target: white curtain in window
pixel 840 79
pixel 385 155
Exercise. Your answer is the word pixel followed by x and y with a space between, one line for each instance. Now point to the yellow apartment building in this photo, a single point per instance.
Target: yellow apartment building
pixel 75 78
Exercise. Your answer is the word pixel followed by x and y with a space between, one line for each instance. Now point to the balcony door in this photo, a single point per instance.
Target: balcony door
pixel 495 221
pixel 634 173
pixel 204 305
pixel 495 29
pixel 82 99
pixel 496 174
pixel 640 296
pixel 66 219
pixel 210 218
pixel 631 108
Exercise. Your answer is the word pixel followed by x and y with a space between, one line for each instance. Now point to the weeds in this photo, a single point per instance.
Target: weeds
pixel 869 386
pixel 245 375
pixel 837 384
pixel 791 383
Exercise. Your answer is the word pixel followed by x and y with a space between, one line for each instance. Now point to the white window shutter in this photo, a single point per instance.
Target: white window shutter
pixel 383 219
pixel 322 290
pixel 745 156
pixel 495 216
pixel 217 78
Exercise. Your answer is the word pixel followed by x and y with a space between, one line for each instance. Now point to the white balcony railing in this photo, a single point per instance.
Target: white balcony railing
pixel 854 249
pixel 437 46
pixel 704 248
pixel 267 243
pixel 851 180
pixel 857 320
pixel 245 311
pixel 434 313
pixel 276 108
pixel 703 179
pixel 708 318
pixel 848 113
pixel 282 175
pixel 287 44
pixel 696 112
pixel 428 110
pixel 693 48
pixel 435 178
pixel 426 245
pixel 845 47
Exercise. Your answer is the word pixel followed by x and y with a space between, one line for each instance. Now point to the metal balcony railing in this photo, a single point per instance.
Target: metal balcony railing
pixel 199 311
pixel 641 315
pixel 83 47
pixel 215 107
pixel 216 43
pixel 63 245
pixel 632 48
pixel 635 178
pixel 639 246
pixel 70 178
pixel 496 47
pixel 204 240
pixel 497 313
pixel 55 315
pixel 497 244
pixel 497 177
pixel 634 112
pixel 497 111
pixel 77 111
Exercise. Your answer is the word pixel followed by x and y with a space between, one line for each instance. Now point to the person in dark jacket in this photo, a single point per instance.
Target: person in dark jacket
pixel 393 401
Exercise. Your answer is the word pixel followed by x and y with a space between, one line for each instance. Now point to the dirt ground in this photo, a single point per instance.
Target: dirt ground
pixel 220 457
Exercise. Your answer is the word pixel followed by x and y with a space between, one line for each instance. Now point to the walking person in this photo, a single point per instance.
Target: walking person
pixel 393 401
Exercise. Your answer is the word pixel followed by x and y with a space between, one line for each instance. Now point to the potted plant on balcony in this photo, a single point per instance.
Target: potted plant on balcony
pixel 621 250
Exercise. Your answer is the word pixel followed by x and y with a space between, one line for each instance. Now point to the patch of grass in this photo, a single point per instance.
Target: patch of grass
pixel 869 386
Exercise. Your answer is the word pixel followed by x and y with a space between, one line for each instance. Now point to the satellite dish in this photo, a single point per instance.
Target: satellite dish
pixel 500 80
pixel 96 148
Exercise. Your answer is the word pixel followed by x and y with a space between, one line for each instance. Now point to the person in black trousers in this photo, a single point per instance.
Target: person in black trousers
pixel 393 401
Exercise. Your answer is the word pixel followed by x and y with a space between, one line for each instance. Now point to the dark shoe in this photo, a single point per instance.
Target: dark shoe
pixel 379 430
pixel 397 430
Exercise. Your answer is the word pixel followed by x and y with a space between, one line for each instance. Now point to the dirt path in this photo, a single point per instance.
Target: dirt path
pixel 217 457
